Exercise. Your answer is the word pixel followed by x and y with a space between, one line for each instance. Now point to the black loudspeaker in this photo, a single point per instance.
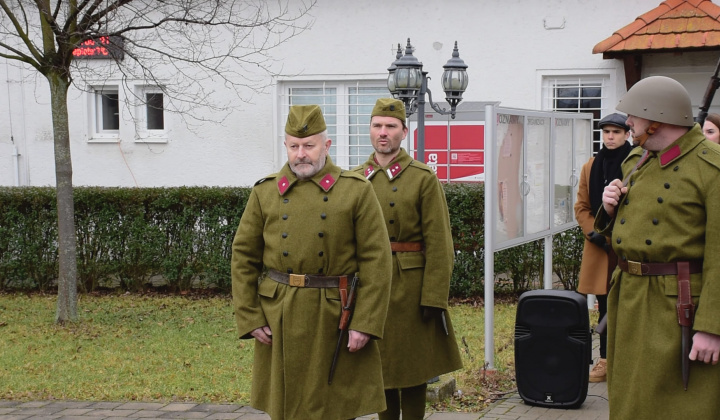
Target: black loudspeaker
pixel 552 348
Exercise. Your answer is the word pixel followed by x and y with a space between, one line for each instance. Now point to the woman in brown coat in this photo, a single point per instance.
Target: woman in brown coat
pixel 596 174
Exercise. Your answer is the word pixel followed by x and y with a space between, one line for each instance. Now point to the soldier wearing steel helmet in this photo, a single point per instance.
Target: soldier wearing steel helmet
pixel 664 300
pixel 304 230
pixel 419 341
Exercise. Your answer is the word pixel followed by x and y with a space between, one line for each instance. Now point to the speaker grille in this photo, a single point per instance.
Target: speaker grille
pixel 552 348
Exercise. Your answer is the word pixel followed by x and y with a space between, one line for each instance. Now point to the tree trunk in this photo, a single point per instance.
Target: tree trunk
pixel 67 238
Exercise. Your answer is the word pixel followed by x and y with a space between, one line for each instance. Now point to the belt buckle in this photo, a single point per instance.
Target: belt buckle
pixel 297 280
pixel 635 268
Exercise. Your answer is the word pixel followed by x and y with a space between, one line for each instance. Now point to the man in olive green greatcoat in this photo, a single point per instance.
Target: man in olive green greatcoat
pixel 665 226
pixel 302 228
pixel 419 341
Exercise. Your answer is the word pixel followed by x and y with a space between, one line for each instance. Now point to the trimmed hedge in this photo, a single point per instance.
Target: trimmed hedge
pixel 134 238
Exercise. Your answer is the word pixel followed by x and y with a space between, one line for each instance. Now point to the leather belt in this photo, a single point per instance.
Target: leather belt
pixel 305 280
pixel 658 269
pixel 407 246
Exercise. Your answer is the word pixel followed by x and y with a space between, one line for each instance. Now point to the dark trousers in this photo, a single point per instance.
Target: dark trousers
pixel 411 401
pixel 602 310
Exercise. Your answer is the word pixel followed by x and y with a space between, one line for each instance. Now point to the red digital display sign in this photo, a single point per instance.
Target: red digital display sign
pixel 108 47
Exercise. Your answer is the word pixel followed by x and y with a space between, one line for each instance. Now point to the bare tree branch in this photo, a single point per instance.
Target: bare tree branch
pixel 185 48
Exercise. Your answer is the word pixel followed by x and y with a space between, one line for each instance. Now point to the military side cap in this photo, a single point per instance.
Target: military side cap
pixel 389 107
pixel 305 121
pixel 614 119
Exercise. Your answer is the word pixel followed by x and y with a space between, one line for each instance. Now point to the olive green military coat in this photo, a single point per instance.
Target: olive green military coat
pixel 331 225
pixel 594 265
pixel 415 210
pixel 670 213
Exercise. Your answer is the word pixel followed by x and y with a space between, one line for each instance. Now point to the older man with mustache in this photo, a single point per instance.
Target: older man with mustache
pixel 306 232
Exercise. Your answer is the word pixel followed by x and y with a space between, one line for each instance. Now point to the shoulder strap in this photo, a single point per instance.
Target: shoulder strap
pixel 642 160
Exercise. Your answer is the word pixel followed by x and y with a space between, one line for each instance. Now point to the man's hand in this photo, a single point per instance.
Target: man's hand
pixel 263 334
pixel 357 340
pixel 611 196
pixel 705 348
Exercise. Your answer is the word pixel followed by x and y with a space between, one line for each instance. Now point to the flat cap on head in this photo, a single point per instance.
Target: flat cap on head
pixel 389 107
pixel 616 119
pixel 305 121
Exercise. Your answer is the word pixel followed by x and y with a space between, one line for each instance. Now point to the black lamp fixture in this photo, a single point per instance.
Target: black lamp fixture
pixel 408 82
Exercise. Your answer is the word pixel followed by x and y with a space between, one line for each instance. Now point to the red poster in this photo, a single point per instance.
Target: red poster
pixel 462 158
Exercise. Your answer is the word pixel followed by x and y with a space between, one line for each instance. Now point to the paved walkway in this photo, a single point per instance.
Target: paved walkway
pixel 595 407
pixel 513 407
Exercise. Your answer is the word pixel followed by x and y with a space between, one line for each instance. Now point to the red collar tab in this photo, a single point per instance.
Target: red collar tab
pixel 394 170
pixel 283 185
pixel 369 171
pixel 327 182
pixel 670 155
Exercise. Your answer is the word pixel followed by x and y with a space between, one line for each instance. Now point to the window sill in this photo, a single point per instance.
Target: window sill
pixel 104 139
pixel 154 140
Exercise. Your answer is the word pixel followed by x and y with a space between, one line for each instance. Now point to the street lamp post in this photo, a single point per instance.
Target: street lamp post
pixel 408 82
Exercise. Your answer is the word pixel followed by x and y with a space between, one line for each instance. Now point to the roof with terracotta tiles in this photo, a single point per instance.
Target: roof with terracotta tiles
pixel 672 26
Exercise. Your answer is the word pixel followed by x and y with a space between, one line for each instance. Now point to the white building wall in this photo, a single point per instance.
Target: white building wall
pixel 509 46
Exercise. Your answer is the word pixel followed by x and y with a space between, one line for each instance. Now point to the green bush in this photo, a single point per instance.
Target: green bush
pixel 466 203
pixel 126 237
pixel 28 239
pixel 567 254
pixel 134 238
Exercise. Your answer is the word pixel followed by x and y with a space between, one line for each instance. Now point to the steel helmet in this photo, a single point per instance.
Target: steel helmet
pixel 658 98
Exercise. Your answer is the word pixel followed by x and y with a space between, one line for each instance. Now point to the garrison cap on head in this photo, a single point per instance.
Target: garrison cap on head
pixel 305 121
pixel 615 119
pixel 389 107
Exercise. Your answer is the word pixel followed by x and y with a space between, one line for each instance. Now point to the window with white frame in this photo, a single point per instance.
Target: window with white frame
pixel 346 106
pixel 105 112
pixel 146 106
pixel 578 94
pixel 150 113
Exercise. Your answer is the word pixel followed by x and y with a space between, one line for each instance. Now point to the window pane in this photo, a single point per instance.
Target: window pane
pixel 110 111
pixel 590 104
pixel 155 111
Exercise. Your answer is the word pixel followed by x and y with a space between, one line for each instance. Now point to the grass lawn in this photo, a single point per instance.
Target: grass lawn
pixel 175 348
